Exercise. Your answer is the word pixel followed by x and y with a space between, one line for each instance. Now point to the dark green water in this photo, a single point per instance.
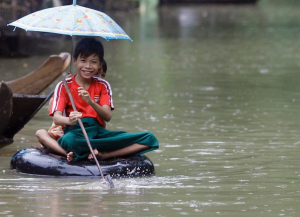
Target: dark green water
pixel 218 86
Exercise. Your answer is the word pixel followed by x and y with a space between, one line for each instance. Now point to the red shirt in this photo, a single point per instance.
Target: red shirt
pixel 99 90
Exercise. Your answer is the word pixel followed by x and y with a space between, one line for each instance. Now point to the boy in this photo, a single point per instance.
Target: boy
pixel 102 71
pixel 49 138
pixel 93 99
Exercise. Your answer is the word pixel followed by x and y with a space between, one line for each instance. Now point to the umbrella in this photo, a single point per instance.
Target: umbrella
pixel 74 20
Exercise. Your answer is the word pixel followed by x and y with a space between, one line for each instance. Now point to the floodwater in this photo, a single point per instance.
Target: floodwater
pixel 218 86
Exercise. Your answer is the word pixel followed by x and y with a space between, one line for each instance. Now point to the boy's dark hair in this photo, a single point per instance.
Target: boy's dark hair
pixel 104 66
pixel 88 46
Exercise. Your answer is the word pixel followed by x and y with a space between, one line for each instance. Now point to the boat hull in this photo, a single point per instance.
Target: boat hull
pixel 5 111
pixel 20 100
pixel 33 161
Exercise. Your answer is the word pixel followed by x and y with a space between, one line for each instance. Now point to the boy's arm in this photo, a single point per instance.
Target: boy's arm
pixel 59 119
pixel 59 100
pixel 103 111
pixel 50 103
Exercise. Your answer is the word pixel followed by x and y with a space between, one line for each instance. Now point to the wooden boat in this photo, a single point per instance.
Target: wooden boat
pixel 36 81
pixel 20 100
pixel 36 162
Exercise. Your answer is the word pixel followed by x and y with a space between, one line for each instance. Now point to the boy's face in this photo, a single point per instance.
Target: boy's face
pixel 87 67
pixel 101 73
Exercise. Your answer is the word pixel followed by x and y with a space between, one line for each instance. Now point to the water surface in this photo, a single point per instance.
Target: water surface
pixel 218 86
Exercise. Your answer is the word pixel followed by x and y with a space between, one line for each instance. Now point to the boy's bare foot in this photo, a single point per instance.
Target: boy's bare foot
pixel 99 155
pixel 70 156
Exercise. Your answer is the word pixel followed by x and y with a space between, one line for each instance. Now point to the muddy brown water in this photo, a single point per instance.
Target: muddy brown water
pixel 217 85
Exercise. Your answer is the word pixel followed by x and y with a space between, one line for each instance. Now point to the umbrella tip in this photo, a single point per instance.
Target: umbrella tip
pixel 74 2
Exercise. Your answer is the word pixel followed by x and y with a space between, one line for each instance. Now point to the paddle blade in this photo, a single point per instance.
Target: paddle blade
pixel 109 181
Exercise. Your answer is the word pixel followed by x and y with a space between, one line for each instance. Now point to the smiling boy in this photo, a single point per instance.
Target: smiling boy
pixel 93 99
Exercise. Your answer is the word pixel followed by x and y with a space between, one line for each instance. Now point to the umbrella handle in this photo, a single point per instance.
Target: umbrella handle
pixel 71 54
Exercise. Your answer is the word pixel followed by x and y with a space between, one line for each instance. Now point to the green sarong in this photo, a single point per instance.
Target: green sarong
pixel 102 139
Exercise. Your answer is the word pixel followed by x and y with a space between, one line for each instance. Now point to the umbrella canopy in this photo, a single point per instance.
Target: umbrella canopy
pixel 72 20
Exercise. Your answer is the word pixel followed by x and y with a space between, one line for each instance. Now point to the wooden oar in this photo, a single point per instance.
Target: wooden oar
pixel 106 178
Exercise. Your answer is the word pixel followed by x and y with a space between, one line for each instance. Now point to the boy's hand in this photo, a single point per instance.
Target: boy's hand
pixel 69 75
pixel 73 117
pixel 84 94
